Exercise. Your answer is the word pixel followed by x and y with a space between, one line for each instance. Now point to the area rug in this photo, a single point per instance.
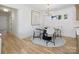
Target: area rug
pixel 58 42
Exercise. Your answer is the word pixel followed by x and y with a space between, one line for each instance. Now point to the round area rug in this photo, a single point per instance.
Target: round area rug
pixel 58 42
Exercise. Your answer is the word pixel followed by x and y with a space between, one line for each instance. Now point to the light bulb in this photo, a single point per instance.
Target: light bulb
pixel 6 10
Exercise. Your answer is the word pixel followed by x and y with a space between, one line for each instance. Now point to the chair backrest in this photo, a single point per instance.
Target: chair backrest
pixel 36 33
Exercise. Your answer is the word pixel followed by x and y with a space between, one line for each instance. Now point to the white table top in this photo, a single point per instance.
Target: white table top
pixel 50 31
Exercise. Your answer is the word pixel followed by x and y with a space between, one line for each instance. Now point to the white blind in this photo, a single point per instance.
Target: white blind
pixel 35 18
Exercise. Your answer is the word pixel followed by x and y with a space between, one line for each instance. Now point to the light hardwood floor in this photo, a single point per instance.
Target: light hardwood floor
pixel 13 45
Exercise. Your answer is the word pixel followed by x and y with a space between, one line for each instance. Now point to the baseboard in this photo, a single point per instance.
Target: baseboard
pixel 68 37
pixel 30 37
pixel 14 35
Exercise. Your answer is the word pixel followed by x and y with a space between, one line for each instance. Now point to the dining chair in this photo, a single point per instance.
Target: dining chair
pixel 48 35
pixel 37 34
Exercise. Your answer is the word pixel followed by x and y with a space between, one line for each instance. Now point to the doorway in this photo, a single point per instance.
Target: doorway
pixel 7 19
pixel 8 23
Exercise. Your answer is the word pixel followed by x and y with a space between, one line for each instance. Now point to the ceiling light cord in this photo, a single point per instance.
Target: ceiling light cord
pixel 48 10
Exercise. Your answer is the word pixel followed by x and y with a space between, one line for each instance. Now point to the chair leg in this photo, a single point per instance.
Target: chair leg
pixel 54 37
pixel 46 43
pixel 60 35
pixel 53 42
pixel 33 35
pixel 33 38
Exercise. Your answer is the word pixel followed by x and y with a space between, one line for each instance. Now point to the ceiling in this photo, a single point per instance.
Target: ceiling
pixel 51 6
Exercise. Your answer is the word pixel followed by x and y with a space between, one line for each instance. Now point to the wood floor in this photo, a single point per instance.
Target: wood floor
pixel 13 45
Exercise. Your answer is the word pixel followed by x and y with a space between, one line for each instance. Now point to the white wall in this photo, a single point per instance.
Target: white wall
pixel 67 25
pixel 24 28
pixel 12 24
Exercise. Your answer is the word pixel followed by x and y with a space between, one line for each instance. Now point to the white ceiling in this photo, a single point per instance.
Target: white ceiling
pixel 51 6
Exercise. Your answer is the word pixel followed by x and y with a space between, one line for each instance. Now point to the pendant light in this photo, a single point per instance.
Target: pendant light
pixel 48 11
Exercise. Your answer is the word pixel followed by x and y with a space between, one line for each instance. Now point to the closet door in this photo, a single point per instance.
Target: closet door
pixel 35 19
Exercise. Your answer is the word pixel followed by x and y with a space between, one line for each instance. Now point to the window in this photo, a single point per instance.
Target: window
pixel 35 19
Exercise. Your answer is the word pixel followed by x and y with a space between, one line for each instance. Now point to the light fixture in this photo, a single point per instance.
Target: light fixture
pixel 48 11
pixel 5 10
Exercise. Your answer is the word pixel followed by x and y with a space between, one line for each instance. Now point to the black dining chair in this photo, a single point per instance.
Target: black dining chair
pixel 37 34
pixel 47 38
